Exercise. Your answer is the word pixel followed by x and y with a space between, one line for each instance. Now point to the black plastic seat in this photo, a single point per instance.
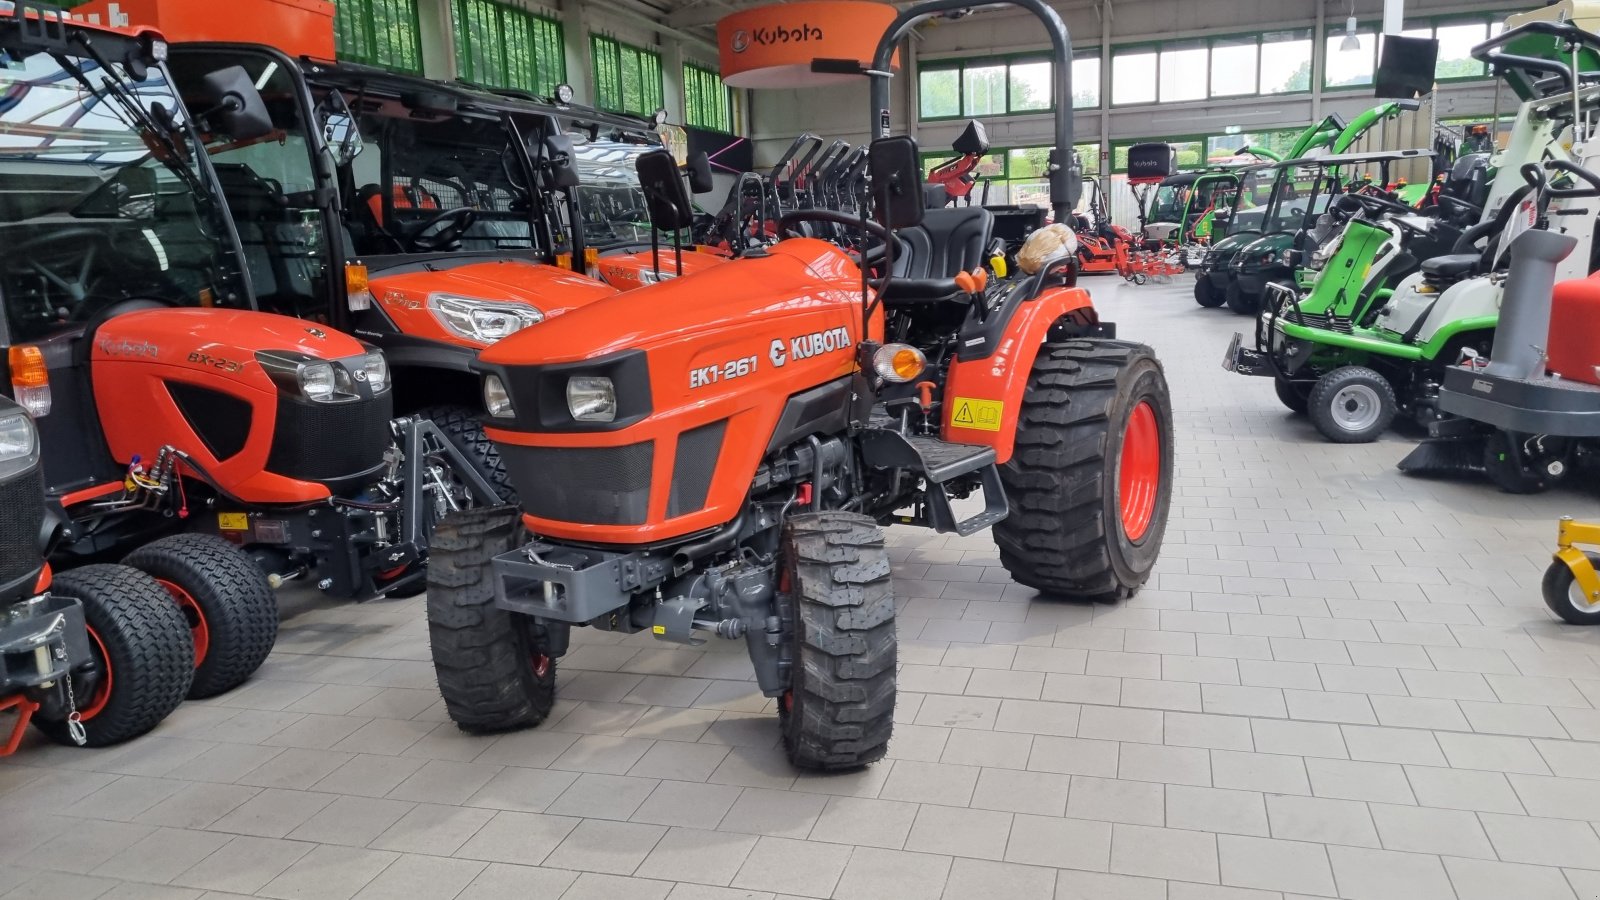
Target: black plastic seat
pixel 1451 266
pixel 948 242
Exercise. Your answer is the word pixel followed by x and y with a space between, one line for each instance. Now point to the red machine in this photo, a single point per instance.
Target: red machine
pixel 956 176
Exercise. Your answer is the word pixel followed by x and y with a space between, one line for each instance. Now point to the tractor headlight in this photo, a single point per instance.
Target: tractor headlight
pixel 317 380
pixel 899 363
pixel 591 398
pixel 482 321
pixel 375 371
pixel 18 439
pixel 496 399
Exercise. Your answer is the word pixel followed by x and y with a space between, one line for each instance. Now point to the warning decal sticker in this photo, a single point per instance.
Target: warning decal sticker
pixel 979 415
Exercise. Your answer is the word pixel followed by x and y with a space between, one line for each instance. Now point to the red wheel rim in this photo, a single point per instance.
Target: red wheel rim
pixel 195 615
pixel 102 691
pixel 541 665
pixel 1139 471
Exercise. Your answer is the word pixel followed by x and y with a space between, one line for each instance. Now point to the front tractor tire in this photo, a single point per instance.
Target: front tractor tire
pixel 1090 480
pixel 1352 405
pixel 462 428
pixel 224 595
pixel 494 667
pixel 142 647
pixel 1240 302
pixel 836 609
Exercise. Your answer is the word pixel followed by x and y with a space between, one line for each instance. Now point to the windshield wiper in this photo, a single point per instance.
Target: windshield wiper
pixel 114 87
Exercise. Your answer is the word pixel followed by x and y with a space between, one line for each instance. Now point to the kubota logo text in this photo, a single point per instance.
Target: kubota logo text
pixel 776 35
pixel 808 345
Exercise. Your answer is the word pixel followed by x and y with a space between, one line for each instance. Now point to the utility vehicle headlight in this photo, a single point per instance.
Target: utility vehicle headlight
pixel 899 362
pixel 18 439
pixel 375 370
pixel 482 321
pixel 496 399
pixel 591 398
pixel 1286 258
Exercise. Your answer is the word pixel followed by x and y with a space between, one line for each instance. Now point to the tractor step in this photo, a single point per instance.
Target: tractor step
pixel 939 463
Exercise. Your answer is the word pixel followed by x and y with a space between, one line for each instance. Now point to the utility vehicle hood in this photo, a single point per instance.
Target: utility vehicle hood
pixel 795 280
pixel 550 289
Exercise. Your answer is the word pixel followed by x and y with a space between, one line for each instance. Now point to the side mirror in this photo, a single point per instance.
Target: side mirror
pixel 665 193
pixel 896 174
pixel 339 129
pixel 700 180
pixel 235 106
pixel 561 162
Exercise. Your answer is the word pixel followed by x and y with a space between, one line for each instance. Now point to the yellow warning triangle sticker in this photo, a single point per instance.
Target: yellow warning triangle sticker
pixel 964 414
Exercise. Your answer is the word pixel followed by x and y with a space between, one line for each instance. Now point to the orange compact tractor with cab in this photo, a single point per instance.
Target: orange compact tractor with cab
pixel 723 467
pixel 98 655
pixel 216 442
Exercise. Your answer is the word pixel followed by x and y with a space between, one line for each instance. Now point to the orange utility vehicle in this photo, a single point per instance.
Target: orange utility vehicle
pixel 216 442
pixel 724 467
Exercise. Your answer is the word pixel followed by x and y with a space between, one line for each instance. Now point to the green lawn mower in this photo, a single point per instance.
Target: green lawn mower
pixel 1376 333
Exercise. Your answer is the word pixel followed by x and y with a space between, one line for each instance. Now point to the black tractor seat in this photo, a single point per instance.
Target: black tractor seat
pixel 1451 267
pixel 948 242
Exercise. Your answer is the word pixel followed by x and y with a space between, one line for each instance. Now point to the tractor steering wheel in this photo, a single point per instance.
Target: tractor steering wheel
pixel 452 223
pixel 91 240
pixel 789 220
pixel 1379 205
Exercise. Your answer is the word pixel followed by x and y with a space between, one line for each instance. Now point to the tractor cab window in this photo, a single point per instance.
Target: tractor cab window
pixel 449 184
pixel 270 186
pixel 100 203
pixel 1298 195
pixel 1170 201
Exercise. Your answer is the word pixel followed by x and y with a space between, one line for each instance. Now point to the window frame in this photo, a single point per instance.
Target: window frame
pixel 1210 42
pixel 960 64
pixel 703 72
pixel 369 55
pixel 540 28
pixel 617 50
pixel 1376 30
pixel 1432 23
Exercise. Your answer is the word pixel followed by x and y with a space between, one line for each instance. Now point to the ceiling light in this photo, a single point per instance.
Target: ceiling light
pixel 1350 42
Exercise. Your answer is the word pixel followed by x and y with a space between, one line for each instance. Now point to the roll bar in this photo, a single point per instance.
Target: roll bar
pixel 1065 175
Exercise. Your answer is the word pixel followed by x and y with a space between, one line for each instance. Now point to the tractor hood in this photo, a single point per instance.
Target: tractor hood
pixel 1223 250
pixel 794 280
pixel 411 295
pixel 1261 250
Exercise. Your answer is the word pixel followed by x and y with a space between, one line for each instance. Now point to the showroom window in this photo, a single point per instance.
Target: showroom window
pixel 1457 36
pixel 379 33
pixel 1350 68
pixel 507 47
pixel 1225 146
pixel 954 89
pixel 705 99
pixel 626 78
pixel 1246 65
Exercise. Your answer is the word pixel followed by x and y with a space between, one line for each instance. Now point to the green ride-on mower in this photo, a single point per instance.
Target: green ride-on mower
pixel 1355 352
pixel 725 468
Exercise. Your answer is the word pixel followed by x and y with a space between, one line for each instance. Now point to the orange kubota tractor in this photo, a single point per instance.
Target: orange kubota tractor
pixel 723 469
pixel 425 217
pixel 218 443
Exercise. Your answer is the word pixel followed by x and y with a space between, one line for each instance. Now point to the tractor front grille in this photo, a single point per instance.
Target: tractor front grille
pixel 583 485
pixel 692 467
pixel 21 520
pixel 1321 321
pixel 330 442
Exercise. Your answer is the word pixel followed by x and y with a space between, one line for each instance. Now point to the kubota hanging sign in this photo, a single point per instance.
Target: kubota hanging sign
pixel 773 46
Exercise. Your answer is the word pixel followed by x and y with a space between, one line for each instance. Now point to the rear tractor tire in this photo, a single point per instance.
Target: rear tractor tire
pixel 1206 294
pixel 221 590
pixel 494 667
pixel 1352 405
pixel 1090 480
pixel 144 650
pixel 836 609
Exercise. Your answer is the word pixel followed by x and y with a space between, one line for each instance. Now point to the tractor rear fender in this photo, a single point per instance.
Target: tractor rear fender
pixel 983 395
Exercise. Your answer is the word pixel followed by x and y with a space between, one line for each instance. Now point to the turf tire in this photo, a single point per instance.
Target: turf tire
pixel 1320 404
pixel 1065 533
pixel 239 608
pixel 149 650
pixel 491 664
pixel 836 606
pixel 1240 302
pixel 1293 396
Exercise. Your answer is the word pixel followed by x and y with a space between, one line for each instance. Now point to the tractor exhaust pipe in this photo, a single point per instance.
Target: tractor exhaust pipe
pixel 722 539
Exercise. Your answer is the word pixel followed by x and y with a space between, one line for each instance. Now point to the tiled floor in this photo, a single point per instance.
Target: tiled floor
pixel 1341 683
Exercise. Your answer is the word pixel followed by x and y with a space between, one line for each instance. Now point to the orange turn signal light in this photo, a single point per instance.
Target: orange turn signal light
pixel 27 366
pixel 356 279
pixel 899 363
